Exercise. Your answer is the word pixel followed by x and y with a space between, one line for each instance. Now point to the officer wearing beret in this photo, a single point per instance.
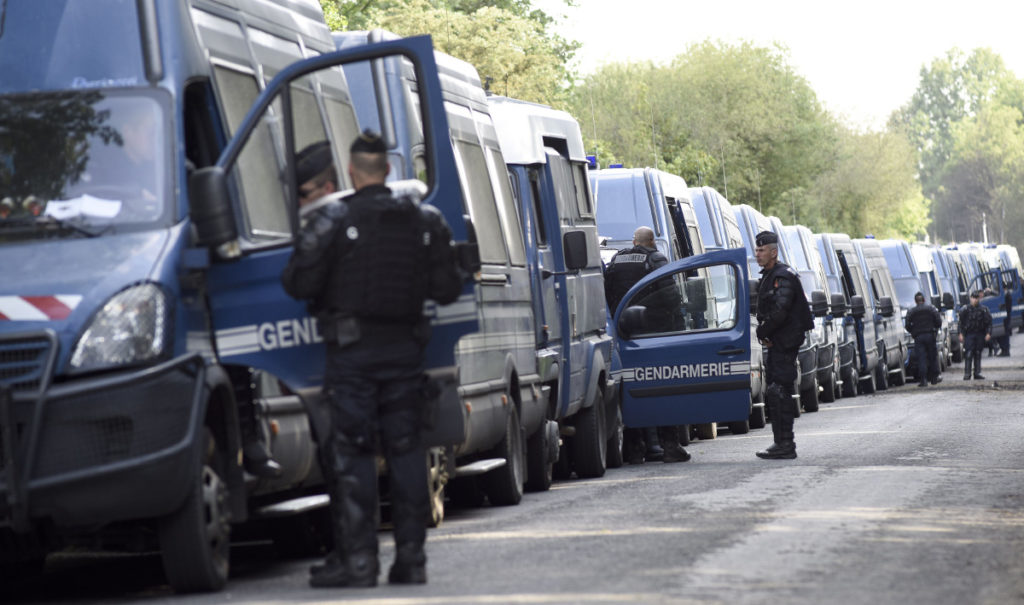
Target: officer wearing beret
pixel 922 322
pixel 783 317
pixel 366 263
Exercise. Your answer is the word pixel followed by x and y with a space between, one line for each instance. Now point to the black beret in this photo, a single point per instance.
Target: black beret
pixel 919 295
pixel 368 142
pixel 766 237
pixel 976 294
pixel 312 160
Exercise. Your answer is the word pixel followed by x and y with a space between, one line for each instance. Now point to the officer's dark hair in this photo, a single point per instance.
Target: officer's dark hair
pixel 369 154
pixel 919 297
pixel 315 162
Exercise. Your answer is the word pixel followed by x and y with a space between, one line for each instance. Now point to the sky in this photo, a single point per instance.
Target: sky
pixel 863 59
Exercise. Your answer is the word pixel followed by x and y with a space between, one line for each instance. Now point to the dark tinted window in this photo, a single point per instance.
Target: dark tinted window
pixel 622 206
pixel 61 44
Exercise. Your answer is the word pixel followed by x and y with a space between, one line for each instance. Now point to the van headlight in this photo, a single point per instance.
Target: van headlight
pixel 130 328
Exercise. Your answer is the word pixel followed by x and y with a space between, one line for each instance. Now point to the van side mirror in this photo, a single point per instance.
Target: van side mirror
pixel 752 287
pixel 210 207
pixel 947 300
pixel 574 245
pixel 857 308
pixel 632 321
pixel 936 301
pixel 468 253
pixel 819 304
pixel 963 299
pixel 885 308
pixel 838 305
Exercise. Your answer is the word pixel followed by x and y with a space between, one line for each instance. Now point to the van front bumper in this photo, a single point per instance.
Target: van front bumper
pixel 101 449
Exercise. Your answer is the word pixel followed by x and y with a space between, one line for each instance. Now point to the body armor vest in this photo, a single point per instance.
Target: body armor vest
pixel 627 267
pixel 973 319
pixel 386 259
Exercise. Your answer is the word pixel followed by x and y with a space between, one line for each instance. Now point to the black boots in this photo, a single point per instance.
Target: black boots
pixel 410 566
pixel 672 451
pixel 785 450
pixel 257 462
pixel 360 572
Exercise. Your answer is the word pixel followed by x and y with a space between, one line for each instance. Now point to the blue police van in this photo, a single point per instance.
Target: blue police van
pixel 543 148
pixel 149 152
pixel 840 302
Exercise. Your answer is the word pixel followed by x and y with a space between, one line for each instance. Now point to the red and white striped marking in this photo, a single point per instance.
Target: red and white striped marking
pixel 38 308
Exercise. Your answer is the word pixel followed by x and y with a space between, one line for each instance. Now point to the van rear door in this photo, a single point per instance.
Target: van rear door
pixel 684 343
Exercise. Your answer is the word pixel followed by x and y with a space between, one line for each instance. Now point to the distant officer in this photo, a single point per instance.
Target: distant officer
pixel 367 263
pixel 625 269
pixel 783 317
pixel 975 331
pixel 922 322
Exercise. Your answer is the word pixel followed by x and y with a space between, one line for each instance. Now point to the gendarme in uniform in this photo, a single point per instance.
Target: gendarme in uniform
pixel 783 317
pixel 922 322
pixel 367 263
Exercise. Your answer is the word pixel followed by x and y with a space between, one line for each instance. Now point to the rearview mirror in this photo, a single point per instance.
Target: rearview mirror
pixel 885 307
pixel 575 247
pixel 632 321
pixel 857 306
pixel 838 305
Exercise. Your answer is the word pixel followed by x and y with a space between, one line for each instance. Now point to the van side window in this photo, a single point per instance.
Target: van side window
pixel 538 210
pixel 582 183
pixel 341 117
pixel 510 223
pixel 565 194
pixel 257 169
pixel 483 211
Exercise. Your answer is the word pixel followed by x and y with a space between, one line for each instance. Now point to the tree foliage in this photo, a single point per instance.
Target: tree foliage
pixel 965 121
pixel 740 119
pixel 511 44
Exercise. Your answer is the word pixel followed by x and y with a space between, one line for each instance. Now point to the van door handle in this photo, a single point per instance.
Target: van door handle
pixel 494 278
pixel 731 351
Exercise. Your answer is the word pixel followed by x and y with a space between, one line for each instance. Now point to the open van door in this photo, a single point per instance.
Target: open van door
pixel 683 339
pixel 245 210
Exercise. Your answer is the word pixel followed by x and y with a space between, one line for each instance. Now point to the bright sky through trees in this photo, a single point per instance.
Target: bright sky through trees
pixel 862 58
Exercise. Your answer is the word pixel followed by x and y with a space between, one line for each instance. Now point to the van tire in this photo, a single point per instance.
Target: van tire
pixel 615 458
pixel 195 540
pixel 882 374
pixel 707 430
pixel 590 445
pixel 504 485
pixel 758 418
pixel 867 383
pixel 828 390
pixel 809 397
pixel 851 384
pixel 899 378
pixel 539 471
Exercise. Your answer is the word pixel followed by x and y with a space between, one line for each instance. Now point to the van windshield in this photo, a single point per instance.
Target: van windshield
pixel 62 44
pixel 622 206
pixel 80 163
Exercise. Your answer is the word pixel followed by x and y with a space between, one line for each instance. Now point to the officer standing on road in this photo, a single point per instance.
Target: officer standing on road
pixel 783 317
pixel 922 322
pixel 975 332
pixel 367 263
pixel 625 269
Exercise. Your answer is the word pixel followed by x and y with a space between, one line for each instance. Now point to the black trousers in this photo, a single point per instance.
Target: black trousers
pixel 974 344
pixel 927 357
pixel 781 374
pixel 375 393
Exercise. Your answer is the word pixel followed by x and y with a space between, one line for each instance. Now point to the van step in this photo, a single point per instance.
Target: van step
pixel 479 467
pixel 294 506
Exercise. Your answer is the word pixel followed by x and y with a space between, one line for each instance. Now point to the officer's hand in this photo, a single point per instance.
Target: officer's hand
pixel 987 337
pixel 761 332
pixel 961 338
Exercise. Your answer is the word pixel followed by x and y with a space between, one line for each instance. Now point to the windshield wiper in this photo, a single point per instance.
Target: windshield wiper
pixel 26 225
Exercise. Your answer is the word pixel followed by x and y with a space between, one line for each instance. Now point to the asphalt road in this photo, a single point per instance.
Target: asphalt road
pixel 913 495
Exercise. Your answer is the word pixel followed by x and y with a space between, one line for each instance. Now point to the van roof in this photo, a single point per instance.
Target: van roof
pixel 523 127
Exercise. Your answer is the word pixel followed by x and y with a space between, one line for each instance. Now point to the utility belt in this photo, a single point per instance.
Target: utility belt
pixel 346 330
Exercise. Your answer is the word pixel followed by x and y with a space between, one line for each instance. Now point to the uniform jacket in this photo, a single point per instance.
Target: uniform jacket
pixel 626 268
pixel 975 319
pixel 922 319
pixel 783 314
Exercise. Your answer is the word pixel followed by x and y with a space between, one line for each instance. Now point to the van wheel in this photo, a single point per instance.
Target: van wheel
pixel 741 427
pixel 590 445
pixel 195 540
pixel 828 390
pixel 851 384
pixel 758 417
pixel 867 383
pixel 615 457
pixel 708 430
pixel 437 478
pixel 900 378
pixel 882 374
pixel 504 485
pixel 809 397
pixel 539 468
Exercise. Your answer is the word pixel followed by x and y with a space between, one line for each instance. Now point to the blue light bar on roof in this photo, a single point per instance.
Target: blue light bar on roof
pixel 615 165
pixel 592 162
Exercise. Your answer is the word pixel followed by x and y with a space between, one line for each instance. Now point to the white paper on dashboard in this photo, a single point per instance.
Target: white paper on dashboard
pixel 85 205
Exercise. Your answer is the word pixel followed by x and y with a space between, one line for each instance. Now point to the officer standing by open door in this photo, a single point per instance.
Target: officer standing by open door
pixel 783 317
pixel 367 263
